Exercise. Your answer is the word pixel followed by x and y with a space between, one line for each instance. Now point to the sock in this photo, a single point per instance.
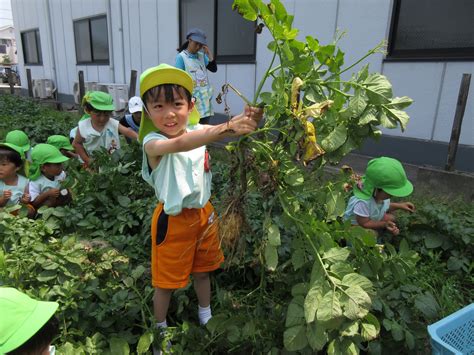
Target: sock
pixel 162 325
pixel 204 314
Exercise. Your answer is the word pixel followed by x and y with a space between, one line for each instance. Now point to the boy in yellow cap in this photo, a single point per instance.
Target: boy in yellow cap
pixel 46 175
pixel 370 207
pixel 176 164
pixel 99 130
pixel 27 326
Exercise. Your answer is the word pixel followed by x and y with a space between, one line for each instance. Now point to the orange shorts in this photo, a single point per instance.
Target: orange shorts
pixel 183 244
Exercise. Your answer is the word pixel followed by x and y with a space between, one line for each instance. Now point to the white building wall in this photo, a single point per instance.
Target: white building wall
pixel 144 33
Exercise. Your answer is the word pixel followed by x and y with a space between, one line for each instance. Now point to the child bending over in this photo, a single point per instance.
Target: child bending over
pixel 370 207
pixel 46 175
pixel 63 144
pixel 176 164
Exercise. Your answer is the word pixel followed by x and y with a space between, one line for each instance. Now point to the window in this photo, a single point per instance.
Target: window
pixel 31 43
pixel 3 49
pixel 91 39
pixel 432 29
pixel 230 37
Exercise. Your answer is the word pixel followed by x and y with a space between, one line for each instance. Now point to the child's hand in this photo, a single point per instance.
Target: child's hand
pixel 53 193
pixel 392 228
pixel 25 199
pixel 240 125
pixel 408 206
pixel 7 194
pixel 255 113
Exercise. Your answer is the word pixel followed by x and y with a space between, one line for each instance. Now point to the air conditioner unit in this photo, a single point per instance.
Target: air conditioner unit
pixel 119 93
pixel 88 86
pixel 43 88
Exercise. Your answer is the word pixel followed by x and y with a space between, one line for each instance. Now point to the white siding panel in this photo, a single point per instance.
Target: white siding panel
pixel 168 31
pixel 76 9
pixel 365 27
pixel 242 77
pixel 61 63
pixel 69 46
pixel 117 49
pixel 149 34
pixel 218 79
pixel 421 82
pixel 448 102
pixel 133 49
pixel 316 18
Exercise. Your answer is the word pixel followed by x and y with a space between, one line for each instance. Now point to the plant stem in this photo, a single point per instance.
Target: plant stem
pixel 265 76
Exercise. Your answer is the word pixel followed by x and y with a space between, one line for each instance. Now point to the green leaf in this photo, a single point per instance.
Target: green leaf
pixel 356 302
pixel 409 340
pixel 354 279
pixel 300 289
pixel 386 121
pixel 378 88
pixel 368 331
pixel 426 304
pixel 46 275
pixel 294 338
pixel 336 254
pixel 144 342
pixel 329 307
pixel 357 103
pixel 400 116
pixel 294 178
pixel 245 9
pixel 367 117
pixel 317 274
pixel 454 263
pixel 273 234
pixel 341 269
pixel 317 336
pixel 334 139
pixel 335 205
pixel 287 51
pixel 350 329
pixel 434 241
pixel 313 44
pixel 123 201
pixel 119 346
pixel 271 257
pixel 295 312
pixel 397 331
pixel 400 103
pixel 311 303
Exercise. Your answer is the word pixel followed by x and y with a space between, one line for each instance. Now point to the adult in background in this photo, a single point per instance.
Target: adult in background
pixel 195 57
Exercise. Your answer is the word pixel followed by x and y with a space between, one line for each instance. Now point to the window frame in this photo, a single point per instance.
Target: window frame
pixel 92 61
pixel 38 48
pixel 446 54
pixel 222 59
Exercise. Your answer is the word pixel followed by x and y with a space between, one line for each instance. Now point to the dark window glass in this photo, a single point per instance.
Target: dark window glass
pixel 230 37
pixel 31 44
pixel 3 49
pixel 432 28
pixel 91 41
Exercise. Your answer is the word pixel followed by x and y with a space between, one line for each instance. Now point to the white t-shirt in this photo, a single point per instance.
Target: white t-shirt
pixel 108 138
pixel 366 208
pixel 43 184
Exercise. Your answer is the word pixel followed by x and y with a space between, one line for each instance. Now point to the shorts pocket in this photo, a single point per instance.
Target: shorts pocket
pixel 161 228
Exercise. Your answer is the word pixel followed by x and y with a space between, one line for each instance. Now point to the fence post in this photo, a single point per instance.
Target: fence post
pixel 30 82
pixel 82 91
pixel 10 80
pixel 458 116
pixel 133 84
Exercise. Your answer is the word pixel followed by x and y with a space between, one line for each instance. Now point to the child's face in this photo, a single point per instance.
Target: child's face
pixel 99 119
pixel 381 195
pixel 7 169
pixel 170 118
pixel 137 116
pixel 194 47
pixel 50 170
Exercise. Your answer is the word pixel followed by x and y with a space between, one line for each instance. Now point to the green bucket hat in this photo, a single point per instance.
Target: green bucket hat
pixel 386 174
pixel 42 154
pixel 18 138
pixel 15 148
pixel 99 100
pixel 60 142
pixel 163 74
pixel 22 317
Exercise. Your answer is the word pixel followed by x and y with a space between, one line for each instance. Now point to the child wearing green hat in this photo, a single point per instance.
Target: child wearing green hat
pixel 98 130
pixel 46 174
pixel 63 144
pixel 13 186
pixel 27 326
pixel 370 207
pixel 21 140
pixel 176 164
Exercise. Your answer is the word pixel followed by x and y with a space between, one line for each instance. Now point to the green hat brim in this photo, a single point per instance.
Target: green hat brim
pixel 100 107
pixel 403 191
pixel 16 148
pixel 38 318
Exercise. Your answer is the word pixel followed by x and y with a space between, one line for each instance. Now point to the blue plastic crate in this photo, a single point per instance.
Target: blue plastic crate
pixel 454 334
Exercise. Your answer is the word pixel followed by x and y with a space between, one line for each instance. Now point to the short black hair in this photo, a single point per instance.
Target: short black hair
pixel 10 155
pixel 40 340
pixel 169 90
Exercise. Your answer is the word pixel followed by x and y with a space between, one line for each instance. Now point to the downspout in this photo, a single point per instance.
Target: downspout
pixel 123 45
pixel 53 59
pixel 111 42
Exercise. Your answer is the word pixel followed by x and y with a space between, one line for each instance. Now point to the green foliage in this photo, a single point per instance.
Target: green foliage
pixel 36 121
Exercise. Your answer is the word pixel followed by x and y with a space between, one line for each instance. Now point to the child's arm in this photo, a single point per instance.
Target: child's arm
pixel 5 197
pixel 77 143
pixel 25 199
pixel 242 124
pixel 127 132
pixel 41 199
pixel 407 206
pixel 366 222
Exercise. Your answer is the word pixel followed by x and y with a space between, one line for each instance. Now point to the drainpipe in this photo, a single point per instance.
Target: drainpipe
pixel 111 42
pixel 53 59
